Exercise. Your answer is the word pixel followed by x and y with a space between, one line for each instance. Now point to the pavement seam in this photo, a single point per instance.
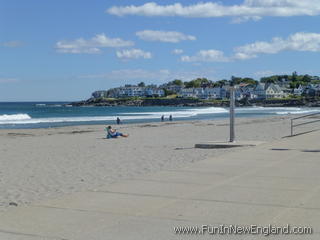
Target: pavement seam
pixel 208 200
pixel 168 181
pixel 31 235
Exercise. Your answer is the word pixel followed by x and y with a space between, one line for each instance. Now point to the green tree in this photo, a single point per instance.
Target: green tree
pixel 222 83
pixel 177 82
pixel 141 84
pixel 271 79
pixel 199 82
pixel 167 92
pixel 294 76
pixel 235 80
pixel 306 78
pixel 249 81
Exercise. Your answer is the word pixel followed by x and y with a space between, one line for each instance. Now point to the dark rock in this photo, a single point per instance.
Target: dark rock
pixel 13 204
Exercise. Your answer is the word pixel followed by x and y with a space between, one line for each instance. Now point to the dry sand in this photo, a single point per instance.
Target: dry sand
pixel 46 163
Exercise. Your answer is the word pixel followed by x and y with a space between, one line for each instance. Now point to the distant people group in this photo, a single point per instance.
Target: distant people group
pixel 113 133
pixel 118 120
pixel 170 118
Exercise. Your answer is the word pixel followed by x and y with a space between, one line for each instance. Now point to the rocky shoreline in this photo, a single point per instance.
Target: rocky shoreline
pixel 177 102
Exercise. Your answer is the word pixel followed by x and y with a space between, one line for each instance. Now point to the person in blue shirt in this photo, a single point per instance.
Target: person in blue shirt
pixel 112 133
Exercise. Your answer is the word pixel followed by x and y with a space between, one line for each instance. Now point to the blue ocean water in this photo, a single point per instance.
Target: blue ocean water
pixel 55 114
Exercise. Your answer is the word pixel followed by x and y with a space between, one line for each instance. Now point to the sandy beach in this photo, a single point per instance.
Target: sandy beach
pixel 39 164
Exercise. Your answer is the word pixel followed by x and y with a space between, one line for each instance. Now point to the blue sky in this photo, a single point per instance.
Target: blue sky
pixel 64 50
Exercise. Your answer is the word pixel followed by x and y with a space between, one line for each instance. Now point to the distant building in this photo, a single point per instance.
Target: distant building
pixel 259 91
pixel 247 91
pixel 274 91
pixel 244 90
pixel 172 87
pixel 203 93
pixel 100 94
pixel 266 91
pixel 214 93
pixel 191 92
pixel 299 90
pixel 154 92
pixel 312 90
pixel 135 91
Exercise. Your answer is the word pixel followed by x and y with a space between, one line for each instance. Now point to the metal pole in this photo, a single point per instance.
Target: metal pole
pixel 232 105
pixel 291 127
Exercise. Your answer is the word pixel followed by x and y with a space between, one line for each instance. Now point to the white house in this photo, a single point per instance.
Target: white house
pixel 299 90
pixel 214 93
pixel 191 92
pixel 172 87
pixel 259 91
pixel 151 91
pixel 248 91
pixel 274 91
pixel 265 91
pixel 134 91
pixel 100 94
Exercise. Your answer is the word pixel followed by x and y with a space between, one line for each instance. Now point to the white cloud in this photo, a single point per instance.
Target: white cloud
pixel 309 42
pixel 9 80
pixel 133 54
pixel 12 44
pixel 210 55
pixel 177 51
pixel 249 9
pixel 91 46
pixel 164 36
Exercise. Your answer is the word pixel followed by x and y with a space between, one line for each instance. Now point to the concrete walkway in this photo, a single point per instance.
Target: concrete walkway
pixel 274 183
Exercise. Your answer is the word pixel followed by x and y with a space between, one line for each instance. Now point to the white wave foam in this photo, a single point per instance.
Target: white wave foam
pixel 14 117
pixel 268 109
pixel 276 110
pixel 297 112
pixel 183 113
pixel 74 119
pixel 26 119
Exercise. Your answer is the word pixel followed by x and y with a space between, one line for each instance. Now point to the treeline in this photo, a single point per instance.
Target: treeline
pixel 294 80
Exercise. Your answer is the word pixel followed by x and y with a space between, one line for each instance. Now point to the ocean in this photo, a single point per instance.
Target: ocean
pixel 17 115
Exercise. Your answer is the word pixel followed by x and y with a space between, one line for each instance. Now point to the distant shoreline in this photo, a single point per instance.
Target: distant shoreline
pixel 189 102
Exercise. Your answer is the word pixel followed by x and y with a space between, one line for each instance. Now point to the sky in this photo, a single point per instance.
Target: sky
pixel 64 50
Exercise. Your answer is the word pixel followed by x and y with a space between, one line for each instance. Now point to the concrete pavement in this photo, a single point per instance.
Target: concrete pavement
pixel 274 183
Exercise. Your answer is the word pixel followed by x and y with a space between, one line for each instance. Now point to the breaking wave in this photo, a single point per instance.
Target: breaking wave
pixel 26 119
pixel 14 117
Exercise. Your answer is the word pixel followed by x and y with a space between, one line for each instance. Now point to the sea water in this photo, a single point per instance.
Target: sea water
pixel 55 114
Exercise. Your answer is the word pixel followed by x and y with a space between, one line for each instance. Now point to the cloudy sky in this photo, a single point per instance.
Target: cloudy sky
pixel 64 50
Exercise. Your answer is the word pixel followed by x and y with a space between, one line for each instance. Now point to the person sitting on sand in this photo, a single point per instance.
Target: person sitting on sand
pixel 112 133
